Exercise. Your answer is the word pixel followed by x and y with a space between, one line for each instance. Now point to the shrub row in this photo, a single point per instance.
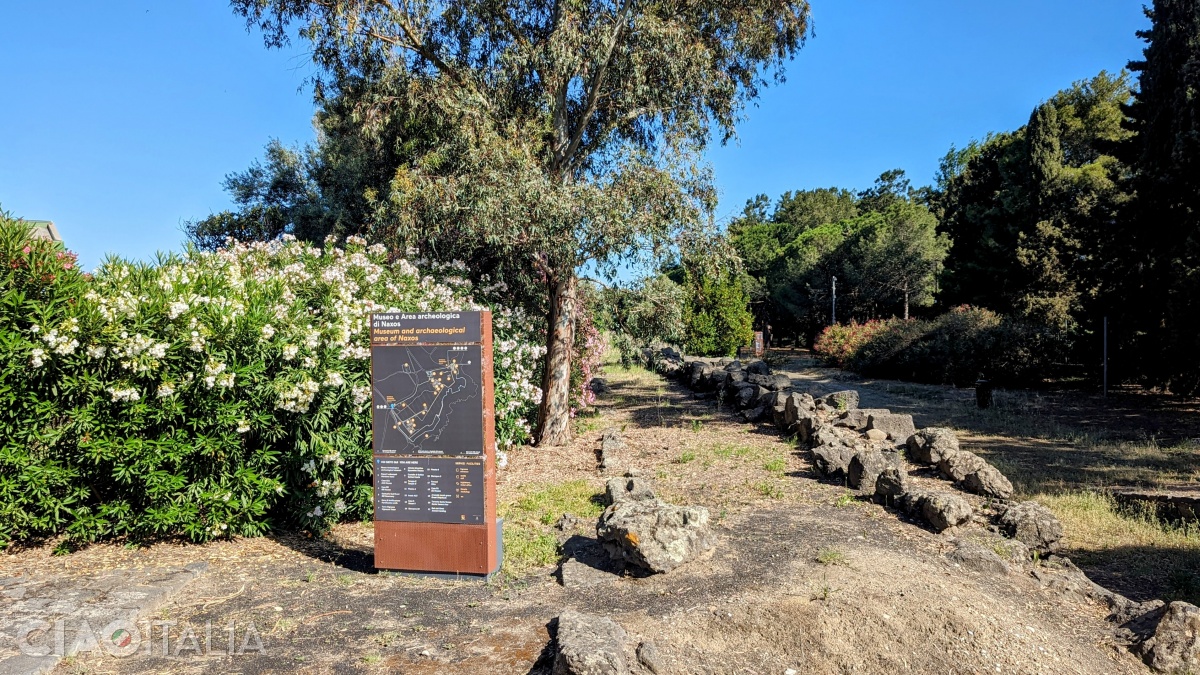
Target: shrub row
pixel 208 394
pixel 954 348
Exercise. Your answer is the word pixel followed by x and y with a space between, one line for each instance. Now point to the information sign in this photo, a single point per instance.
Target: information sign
pixel 433 429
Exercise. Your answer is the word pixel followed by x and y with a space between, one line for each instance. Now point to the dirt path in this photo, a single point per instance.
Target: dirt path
pixel 1065 449
pixel 803 577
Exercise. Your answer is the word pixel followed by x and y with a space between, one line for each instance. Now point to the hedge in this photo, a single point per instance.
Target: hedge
pixel 206 395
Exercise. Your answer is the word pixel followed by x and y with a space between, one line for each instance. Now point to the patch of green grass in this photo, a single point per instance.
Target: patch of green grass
pixel 769 490
pixel 831 556
pixel 685 457
pixel 528 541
pixel 845 499
pixel 730 451
pixel 372 658
pixel 527 548
pixel 545 503
pixel 697 425
pixel 776 466
pixel 587 423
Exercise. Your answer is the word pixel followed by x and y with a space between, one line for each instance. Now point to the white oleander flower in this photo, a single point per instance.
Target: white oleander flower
pixel 126 394
pixel 243 426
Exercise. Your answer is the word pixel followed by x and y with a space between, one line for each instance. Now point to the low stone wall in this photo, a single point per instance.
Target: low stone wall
pixel 875 452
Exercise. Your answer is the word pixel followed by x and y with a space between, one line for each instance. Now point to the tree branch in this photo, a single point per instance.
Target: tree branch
pixel 566 155
pixel 416 45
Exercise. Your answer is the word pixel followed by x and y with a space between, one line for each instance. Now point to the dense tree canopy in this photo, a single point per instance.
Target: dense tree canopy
pixel 1157 274
pixel 1031 212
pixel 881 244
pixel 554 134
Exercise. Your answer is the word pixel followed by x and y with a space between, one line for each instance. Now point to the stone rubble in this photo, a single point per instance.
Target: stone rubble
pixel 856 447
pixel 641 530
pixel 589 645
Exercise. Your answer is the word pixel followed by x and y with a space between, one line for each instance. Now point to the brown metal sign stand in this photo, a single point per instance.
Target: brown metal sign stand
pixel 434 433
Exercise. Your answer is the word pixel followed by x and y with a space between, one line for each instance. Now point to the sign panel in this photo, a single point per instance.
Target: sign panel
pixel 427 400
pixel 395 329
pixel 433 430
pixel 429 489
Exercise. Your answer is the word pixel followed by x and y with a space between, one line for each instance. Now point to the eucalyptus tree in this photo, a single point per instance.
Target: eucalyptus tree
pixel 569 131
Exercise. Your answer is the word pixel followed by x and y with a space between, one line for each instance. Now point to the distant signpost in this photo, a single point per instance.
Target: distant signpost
pixel 433 428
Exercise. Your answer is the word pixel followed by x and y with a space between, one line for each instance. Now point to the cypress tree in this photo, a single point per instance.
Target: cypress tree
pixel 1162 294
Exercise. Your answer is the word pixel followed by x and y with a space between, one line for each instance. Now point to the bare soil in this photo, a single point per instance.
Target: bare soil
pixel 885 599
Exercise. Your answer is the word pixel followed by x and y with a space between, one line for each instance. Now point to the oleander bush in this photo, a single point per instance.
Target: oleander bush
pixel 208 394
pixel 837 343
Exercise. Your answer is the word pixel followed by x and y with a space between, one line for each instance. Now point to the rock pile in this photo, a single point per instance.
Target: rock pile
pixel 860 447
pixel 640 529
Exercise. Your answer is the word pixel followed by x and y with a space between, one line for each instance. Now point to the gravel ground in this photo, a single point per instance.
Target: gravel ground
pixel 885 599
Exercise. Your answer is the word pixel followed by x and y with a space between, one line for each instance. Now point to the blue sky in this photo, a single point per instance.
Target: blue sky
pixel 120 119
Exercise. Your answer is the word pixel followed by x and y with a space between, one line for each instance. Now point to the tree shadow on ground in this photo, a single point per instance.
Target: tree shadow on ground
pixel 1044 466
pixel 350 558
pixel 654 402
pixel 1143 572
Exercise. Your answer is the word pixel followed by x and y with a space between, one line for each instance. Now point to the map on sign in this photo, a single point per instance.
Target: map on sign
pixel 420 398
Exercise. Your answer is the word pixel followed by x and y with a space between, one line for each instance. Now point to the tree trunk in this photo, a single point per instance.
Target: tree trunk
pixel 554 417
pixel 906 304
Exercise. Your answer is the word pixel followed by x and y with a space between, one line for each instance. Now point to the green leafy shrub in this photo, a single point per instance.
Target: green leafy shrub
pixel 208 394
pixel 647 315
pixel 953 348
pixel 716 316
